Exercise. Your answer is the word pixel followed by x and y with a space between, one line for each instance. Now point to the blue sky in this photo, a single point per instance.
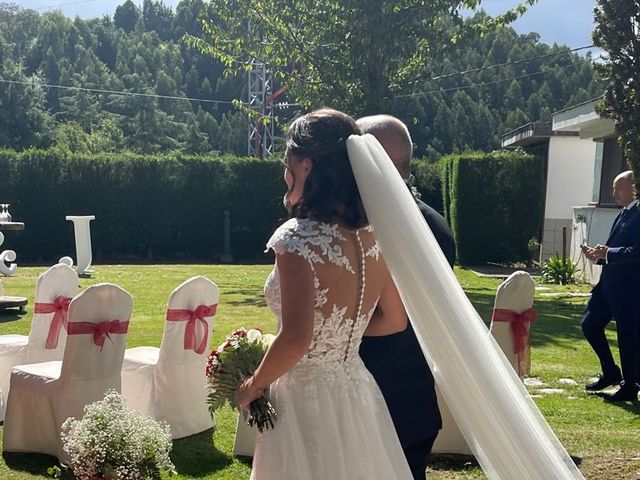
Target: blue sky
pixel 567 22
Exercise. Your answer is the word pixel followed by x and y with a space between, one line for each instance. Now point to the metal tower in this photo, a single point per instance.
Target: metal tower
pixel 260 133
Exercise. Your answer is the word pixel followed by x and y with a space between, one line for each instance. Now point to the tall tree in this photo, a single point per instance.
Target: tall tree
pixel 99 54
pixel 25 121
pixel 351 54
pixel 158 17
pixel 186 18
pixel 126 16
pixel 617 32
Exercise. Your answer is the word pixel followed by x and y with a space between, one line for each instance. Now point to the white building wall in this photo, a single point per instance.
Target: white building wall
pixel 591 225
pixel 570 177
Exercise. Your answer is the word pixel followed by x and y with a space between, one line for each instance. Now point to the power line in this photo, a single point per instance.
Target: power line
pixel 472 85
pixel 515 62
pixel 226 102
pixel 63 4
pixel 116 92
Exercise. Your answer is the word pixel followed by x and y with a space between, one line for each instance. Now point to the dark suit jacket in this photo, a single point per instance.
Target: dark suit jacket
pixel 621 273
pixel 399 367
pixel 440 229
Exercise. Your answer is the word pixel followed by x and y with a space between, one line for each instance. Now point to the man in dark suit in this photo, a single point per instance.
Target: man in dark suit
pixel 617 295
pixel 393 355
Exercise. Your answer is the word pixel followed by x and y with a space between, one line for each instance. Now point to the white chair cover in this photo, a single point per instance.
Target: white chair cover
pixel 169 383
pixel 450 438
pixel 515 295
pixel 44 395
pixel 245 441
pixel 57 281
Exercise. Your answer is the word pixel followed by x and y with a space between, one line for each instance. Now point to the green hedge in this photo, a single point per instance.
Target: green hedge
pixel 161 207
pixel 428 182
pixel 494 203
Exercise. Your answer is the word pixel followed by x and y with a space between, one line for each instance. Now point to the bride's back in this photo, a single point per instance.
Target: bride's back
pixel 349 274
pixel 332 418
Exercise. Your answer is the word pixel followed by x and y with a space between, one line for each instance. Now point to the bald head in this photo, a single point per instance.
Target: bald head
pixel 626 176
pixel 394 137
pixel 624 188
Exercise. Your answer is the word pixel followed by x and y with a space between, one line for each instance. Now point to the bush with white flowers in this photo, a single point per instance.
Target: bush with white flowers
pixel 112 442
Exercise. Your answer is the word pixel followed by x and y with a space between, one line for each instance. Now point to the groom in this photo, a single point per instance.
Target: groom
pixel 394 358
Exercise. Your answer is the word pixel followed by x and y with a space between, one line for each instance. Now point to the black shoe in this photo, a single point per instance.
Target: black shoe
pixel 622 395
pixel 603 382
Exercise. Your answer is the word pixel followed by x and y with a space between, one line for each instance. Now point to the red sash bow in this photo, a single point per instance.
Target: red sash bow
pixel 59 308
pixel 192 317
pixel 519 329
pixel 100 331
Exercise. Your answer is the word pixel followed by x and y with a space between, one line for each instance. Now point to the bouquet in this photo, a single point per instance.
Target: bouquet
pixel 231 364
pixel 112 442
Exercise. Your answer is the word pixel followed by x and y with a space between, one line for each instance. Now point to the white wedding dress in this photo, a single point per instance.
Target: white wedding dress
pixel 333 422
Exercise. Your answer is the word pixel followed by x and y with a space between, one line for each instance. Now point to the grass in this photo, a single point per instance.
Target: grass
pixel 603 438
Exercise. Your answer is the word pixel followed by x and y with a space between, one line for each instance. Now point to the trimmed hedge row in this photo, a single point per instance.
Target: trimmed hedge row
pixel 494 203
pixel 162 207
pixel 428 182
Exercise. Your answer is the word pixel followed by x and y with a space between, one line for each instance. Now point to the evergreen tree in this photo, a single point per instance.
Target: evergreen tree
pixel 133 53
pixel 158 17
pixel 127 16
pixel 617 32
pixel 196 141
pixel 24 121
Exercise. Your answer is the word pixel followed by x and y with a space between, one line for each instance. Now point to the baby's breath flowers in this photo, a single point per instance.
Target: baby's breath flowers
pixel 114 443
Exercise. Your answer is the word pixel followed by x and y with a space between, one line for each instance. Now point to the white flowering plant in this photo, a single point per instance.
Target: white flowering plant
pixel 231 364
pixel 114 443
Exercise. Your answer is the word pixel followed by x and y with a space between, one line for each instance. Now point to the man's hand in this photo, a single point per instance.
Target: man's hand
pixel 599 252
pixel 586 250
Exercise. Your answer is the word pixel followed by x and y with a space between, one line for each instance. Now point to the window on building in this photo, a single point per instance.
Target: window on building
pixel 612 164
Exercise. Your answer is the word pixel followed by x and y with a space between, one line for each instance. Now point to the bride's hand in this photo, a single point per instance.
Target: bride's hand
pixel 247 393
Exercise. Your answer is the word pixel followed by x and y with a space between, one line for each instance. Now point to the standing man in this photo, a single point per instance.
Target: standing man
pixel 616 295
pixel 390 350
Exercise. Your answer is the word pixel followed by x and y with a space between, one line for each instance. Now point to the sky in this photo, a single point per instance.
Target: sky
pixel 567 22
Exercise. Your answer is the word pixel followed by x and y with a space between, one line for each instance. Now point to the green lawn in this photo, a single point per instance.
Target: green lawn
pixel 604 438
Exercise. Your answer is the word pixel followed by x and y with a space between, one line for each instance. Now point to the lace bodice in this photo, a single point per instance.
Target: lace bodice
pixel 343 263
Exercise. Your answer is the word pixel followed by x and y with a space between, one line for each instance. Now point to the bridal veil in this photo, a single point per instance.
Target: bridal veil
pixel 501 423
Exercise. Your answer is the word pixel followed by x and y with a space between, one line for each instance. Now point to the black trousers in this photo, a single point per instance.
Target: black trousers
pixel 417 457
pixel 597 315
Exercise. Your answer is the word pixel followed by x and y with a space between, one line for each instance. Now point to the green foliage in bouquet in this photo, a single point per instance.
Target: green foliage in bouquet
pixel 240 359
pixel 559 270
pixel 114 443
pixel 231 364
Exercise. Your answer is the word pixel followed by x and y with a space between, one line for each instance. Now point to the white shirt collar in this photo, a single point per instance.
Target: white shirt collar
pixel 631 205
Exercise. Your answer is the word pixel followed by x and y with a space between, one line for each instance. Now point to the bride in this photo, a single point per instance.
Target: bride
pixel 328 281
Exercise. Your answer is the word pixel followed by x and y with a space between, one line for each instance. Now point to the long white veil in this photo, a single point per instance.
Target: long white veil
pixel 502 425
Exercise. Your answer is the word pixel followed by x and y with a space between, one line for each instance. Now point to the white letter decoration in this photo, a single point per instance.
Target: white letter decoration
pixel 7 256
pixel 83 243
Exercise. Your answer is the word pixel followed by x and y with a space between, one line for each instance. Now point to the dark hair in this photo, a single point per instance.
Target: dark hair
pixel 330 192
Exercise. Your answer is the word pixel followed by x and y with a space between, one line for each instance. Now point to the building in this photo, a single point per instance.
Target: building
pixel 583 158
